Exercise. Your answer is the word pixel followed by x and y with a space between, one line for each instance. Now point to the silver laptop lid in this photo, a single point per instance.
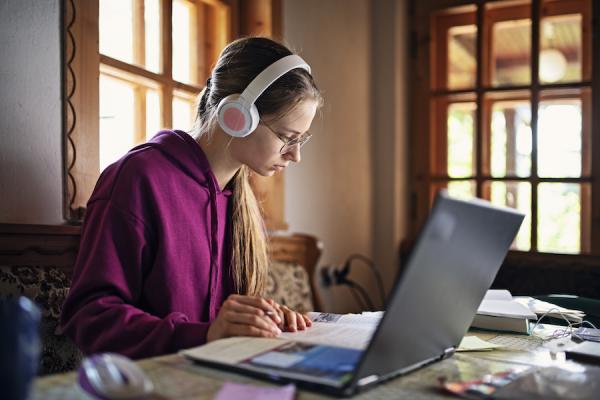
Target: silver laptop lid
pixel 454 262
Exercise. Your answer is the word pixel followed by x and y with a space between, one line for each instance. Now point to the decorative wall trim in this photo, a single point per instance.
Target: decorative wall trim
pixel 40 245
pixel 69 80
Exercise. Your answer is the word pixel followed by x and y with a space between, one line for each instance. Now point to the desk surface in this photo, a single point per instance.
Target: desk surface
pixel 177 378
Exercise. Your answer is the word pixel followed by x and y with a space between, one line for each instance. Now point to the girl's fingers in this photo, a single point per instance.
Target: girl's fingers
pixel 260 322
pixel 300 321
pixel 257 302
pixel 245 309
pixel 307 320
pixel 278 312
pixel 281 315
pixel 290 320
pixel 248 330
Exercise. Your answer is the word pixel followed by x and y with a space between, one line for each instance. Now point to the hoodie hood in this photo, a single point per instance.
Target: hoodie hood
pixel 182 150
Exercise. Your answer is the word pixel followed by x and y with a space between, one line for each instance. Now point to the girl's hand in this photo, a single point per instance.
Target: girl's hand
pixel 291 321
pixel 245 316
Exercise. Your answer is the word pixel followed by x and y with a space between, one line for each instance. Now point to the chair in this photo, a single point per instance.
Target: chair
pixel 37 261
pixel 291 280
pixel 48 288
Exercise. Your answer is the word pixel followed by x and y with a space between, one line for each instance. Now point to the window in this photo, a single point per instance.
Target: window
pixel 132 67
pixel 154 59
pixel 510 97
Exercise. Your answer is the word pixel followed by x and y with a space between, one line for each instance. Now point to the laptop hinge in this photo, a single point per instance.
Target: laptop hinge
pixel 367 379
pixel 448 352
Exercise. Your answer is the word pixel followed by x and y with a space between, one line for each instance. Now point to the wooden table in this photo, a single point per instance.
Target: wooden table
pixel 177 378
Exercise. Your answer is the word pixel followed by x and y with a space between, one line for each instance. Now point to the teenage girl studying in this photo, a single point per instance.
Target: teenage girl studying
pixel 173 250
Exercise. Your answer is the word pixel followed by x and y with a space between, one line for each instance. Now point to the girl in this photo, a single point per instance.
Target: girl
pixel 173 250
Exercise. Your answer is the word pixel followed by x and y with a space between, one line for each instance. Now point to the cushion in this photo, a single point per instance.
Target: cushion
pixel 48 288
pixel 289 285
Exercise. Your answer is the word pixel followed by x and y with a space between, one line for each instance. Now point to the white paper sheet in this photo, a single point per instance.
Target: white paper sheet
pixel 232 350
pixel 348 330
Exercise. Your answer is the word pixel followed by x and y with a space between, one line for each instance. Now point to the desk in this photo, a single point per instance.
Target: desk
pixel 177 378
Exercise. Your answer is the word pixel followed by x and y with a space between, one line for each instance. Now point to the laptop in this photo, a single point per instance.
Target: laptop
pixel 454 261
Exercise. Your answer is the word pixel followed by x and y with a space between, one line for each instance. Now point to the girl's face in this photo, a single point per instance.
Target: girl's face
pixel 260 150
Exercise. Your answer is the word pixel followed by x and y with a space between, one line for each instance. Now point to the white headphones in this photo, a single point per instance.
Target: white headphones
pixel 237 114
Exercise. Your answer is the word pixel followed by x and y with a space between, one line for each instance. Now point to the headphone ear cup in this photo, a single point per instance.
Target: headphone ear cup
pixel 235 117
pixel 254 118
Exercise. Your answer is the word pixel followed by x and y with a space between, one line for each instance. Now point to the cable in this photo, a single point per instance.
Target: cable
pixel 559 333
pixel 355 286
pixel 357 298
pixel 375 271
pixel 339 276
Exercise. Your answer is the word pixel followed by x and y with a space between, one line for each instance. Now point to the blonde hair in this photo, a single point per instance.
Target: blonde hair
pixel 238 64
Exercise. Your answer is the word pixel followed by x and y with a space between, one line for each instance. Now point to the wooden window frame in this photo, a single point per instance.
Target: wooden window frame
pixel 83 65
pixel 430 93
pixel 80 73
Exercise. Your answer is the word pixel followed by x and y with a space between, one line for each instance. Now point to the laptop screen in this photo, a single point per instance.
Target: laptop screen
pixel 454 262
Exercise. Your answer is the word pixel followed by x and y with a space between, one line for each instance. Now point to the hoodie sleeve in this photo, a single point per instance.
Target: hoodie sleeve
pixel 100 312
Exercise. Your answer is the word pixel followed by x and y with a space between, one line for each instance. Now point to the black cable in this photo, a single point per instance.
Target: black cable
pixel 357 298
pixel 376 272
pixel 360 290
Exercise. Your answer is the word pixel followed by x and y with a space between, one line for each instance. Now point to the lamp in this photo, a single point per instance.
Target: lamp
pixel 553 65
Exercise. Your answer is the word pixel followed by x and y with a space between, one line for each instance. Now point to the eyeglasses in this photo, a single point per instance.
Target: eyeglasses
pixel 287 142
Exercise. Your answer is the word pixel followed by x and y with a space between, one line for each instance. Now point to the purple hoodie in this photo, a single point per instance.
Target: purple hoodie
pixel 154 263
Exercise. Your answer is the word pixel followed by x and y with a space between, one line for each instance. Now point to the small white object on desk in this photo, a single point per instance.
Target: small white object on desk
pixel 500 312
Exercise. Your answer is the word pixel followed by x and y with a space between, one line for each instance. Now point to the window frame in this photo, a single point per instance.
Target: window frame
pixel 429 154
pixel 83 65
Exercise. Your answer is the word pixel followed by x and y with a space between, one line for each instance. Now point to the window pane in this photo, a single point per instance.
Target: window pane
pixel 462 62
pixel 560 48
pixel 559 217
pixel 515 195
pixel 183 113
pixel 152 113
pixel 116 29
pixel 182 14
pixel 559 138
pixel 511 52
pixel 511 139
pixel 461 189
pixel 116 119
pixel 461 137
pixel 152 31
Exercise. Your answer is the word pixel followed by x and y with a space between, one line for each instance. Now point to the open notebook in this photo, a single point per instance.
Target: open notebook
pixel 453 263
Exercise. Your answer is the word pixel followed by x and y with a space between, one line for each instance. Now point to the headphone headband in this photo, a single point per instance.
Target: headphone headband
pixel 271 74
pixel 237 114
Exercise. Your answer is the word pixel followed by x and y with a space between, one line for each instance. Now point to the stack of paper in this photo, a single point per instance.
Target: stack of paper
pixel 552 310
pixel 500 312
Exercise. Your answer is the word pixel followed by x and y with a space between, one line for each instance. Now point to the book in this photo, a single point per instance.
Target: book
pixel 541 308
pixel 504 324
pixel 323 354
pixel 498 311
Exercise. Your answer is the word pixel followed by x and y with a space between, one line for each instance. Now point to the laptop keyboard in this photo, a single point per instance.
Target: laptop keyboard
pixel 517 342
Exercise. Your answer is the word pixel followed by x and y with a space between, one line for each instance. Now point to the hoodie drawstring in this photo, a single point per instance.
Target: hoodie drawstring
pixel 214 249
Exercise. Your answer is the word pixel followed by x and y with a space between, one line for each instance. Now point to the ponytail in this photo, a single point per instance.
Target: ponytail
pixel 250 259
